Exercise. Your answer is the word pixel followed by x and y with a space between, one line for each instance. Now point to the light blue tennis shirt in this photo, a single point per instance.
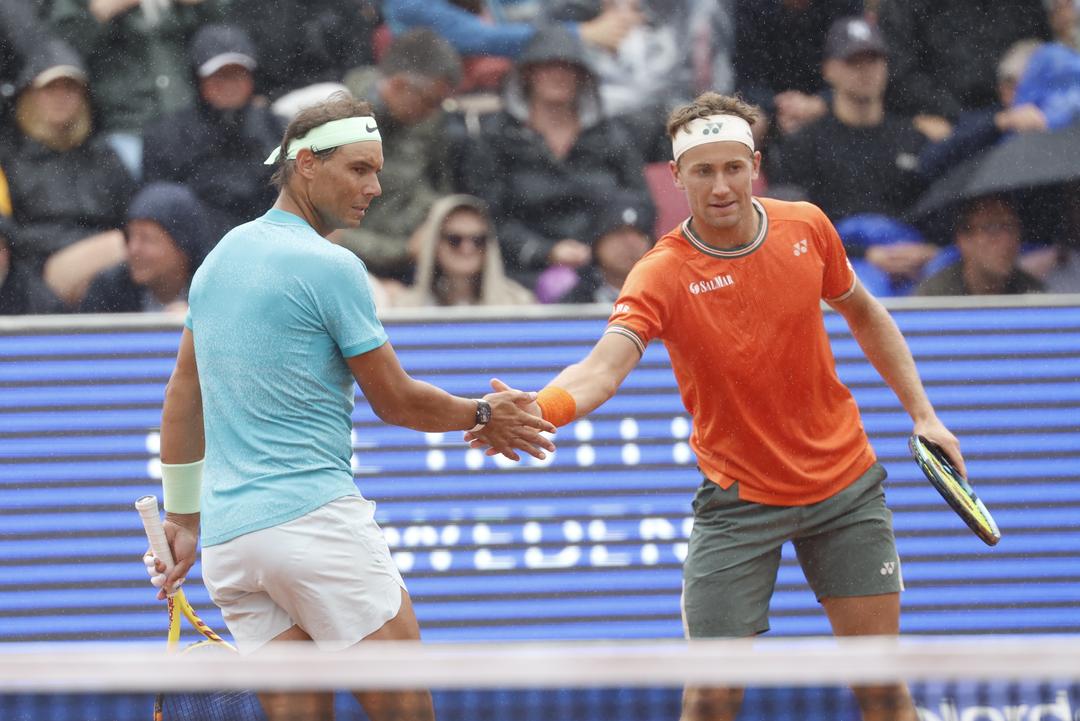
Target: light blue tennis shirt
pixel 275 309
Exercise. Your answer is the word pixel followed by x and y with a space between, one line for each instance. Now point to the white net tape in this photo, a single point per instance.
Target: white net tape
pixel 388 665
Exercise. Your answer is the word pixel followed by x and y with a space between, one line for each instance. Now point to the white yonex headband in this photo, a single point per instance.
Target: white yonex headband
pixel 331 135
pixel 713 129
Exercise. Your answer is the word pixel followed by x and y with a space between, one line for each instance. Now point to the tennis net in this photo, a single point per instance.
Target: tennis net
pixel 950 679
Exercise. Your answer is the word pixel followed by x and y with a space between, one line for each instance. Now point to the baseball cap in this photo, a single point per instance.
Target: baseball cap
pixel 53 61
pixel 216 46
pixel 851 36
pixel 623 214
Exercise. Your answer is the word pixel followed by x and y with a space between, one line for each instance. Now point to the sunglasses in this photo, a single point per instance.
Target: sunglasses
pixel 455 240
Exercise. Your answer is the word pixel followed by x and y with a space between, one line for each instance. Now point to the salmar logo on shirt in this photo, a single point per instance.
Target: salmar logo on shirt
pixel 698 287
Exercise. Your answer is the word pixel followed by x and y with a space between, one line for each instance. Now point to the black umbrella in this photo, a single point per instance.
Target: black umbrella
pixel 1023 162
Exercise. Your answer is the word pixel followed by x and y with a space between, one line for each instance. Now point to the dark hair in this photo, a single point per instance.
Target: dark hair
pixel 974 205
pixel 337 106
pixel 422 52
pixel 710 103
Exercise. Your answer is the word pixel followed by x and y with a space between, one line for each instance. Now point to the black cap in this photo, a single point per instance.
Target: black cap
pixel 53 60
pixel 215 46
pixel 851 36
pixel 617 215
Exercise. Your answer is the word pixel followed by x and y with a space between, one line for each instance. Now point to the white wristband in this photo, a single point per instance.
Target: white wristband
pixel 181 484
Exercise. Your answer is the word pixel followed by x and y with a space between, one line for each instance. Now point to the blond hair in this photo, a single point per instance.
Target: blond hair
pixel 32 121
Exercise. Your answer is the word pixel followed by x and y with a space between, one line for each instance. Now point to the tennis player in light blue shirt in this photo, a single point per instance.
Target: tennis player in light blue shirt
pixel 281 322
pixel 275 296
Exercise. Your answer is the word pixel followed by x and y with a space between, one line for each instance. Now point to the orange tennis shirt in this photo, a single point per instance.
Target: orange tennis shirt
pixel 746 336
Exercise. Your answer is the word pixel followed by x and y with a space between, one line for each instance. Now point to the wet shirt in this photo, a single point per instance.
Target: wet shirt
pixel 275 309
pixel 745 333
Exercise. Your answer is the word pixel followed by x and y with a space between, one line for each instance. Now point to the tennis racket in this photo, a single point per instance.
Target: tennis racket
pixel 214 706
pixel 954 488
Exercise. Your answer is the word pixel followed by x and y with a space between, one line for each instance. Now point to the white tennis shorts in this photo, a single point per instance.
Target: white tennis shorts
pixel 328 572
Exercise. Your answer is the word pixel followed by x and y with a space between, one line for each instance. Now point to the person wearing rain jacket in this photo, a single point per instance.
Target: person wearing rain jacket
pixel 549 160
pixel 458 260
pixel 166 240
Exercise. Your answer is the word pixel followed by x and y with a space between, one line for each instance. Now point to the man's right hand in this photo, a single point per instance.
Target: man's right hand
pixel 515 424
pixel 182 533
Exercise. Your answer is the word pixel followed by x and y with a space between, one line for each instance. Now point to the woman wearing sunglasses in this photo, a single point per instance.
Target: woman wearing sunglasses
pixel 458 260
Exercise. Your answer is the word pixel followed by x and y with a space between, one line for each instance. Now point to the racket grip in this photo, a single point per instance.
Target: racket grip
pixel 147 506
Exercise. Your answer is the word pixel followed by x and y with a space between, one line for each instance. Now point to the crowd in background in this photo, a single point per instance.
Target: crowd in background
pixel 524 140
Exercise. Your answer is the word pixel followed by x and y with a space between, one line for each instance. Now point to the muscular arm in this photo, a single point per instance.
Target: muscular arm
pixel 596 378
pixel 182 436
pixel 183 440
pixel 885 348
pixel 401 400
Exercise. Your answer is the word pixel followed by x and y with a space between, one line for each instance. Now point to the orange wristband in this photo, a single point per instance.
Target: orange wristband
pixel 557 406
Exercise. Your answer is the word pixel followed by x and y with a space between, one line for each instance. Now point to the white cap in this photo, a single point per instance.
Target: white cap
pixel 57 72
pixel 217 62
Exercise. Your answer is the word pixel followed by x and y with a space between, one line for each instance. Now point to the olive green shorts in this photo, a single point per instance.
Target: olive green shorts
pixel 845 546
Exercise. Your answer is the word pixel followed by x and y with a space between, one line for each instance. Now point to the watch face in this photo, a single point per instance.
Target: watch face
pixel 483 412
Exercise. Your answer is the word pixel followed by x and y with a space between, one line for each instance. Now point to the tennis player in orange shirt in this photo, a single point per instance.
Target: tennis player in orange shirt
pixel 735 295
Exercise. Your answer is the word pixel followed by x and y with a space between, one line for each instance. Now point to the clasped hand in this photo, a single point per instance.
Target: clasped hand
pixel 515 425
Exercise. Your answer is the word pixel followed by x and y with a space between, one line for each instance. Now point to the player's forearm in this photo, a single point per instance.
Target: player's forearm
pixel 589 388
pixel 182 434
pixel 885 348
pixel 427 408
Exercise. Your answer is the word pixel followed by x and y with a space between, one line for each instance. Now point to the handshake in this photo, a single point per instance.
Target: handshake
pixel 516 425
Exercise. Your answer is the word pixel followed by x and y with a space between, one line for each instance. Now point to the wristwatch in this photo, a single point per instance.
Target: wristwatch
pixel 483 415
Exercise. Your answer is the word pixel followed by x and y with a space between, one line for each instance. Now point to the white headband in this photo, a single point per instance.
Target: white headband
pixel 331 135
pixel 713 129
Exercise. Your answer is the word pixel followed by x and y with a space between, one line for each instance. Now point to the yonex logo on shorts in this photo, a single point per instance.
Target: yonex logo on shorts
pixel 707 286
pixel 888 568
pixel 800 247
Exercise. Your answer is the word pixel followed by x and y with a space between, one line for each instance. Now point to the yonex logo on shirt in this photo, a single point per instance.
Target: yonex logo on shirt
pixel 800 247
pixel 707 286
pixel 621 308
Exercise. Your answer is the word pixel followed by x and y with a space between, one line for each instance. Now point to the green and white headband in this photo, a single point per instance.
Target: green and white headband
pixel 331 135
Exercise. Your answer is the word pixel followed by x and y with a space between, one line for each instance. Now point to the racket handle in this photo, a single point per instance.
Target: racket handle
pixel 147 506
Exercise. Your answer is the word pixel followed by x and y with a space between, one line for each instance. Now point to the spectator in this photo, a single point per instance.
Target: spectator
pixel 305 42
pixel 943 52
pixel 21 291
pixel 502 27
pixel 21 34
pixel 778 53
pixel 406 90
pixel 622 235
pixel 5 195
pixel 859 158
pixel 137 60
pixel 549 161
pixel 1063 275
pixel 68 188
pixel 1064 19
pixel 217 146
pixel 458 259
pixel 681 48
pixel 166 241
pixel 988 238
pixel 978 129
